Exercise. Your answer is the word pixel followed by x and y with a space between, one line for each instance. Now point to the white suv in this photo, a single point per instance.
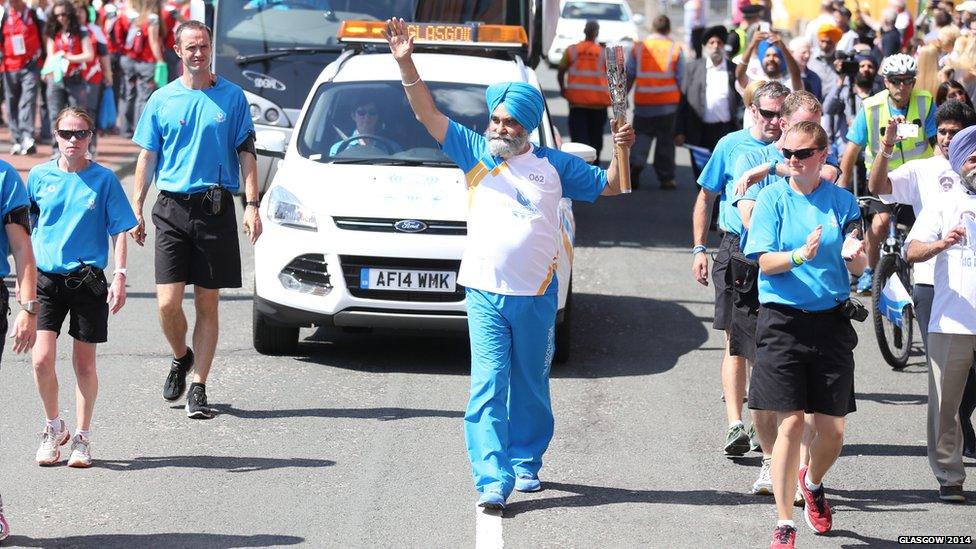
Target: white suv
pixel 364 225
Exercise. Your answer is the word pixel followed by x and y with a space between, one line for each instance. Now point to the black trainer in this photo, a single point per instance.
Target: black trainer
pixel 196 403
pixel 175 383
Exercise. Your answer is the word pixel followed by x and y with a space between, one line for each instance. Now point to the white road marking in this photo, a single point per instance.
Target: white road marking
pixel 488 529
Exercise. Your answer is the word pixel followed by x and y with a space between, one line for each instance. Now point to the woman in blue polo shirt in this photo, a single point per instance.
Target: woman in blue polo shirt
pixel 804 359
pixel 79 204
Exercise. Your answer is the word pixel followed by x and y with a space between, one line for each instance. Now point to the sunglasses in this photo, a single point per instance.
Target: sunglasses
pixel 768 115
pixel 77 134
pixel 365 112
pixel 901 81
pixel 800 154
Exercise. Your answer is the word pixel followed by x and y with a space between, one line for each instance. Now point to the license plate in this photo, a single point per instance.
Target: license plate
pixel 397 279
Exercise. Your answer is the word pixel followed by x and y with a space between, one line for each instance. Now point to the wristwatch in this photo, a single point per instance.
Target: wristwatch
pixel 699 249
pixel 30 306
pixel 254 203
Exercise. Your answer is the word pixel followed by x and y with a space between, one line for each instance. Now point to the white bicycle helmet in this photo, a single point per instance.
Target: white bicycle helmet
pixel 899 64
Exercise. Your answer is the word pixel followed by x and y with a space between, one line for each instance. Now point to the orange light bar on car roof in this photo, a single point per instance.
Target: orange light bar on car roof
pixel 437 33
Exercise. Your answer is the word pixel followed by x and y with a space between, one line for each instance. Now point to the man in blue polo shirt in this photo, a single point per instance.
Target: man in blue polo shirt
pixel 15 239
pixel 716 180
pixel 196 134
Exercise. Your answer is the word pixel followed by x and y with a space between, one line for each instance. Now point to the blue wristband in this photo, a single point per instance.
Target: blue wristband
pixel 699 249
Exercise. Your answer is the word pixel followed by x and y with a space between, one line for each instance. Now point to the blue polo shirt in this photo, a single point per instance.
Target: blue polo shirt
pixel 195 134
pixel 13 195
pixel 77 212
pixel 781 221
pixel 716 176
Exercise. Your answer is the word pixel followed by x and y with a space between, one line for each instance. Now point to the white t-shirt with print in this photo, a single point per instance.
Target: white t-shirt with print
pixel 918 183
pixel 954 305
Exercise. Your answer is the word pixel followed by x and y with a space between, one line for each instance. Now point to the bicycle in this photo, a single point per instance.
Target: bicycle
pixel 893 327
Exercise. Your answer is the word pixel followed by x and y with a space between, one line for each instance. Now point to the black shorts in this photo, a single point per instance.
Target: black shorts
pixel 192 245
pixel 722 280
pixel 745 306
pixel 59 295
pixel 804 361
pixel 4 311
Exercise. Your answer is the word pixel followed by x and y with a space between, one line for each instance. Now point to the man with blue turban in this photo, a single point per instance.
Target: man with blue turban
pixel 508 268
pixel 946 230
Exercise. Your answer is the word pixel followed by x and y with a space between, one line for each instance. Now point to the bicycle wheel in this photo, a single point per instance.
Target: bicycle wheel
pixel 894 340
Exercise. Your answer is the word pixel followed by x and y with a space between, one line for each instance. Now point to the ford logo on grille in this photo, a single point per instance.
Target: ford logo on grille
pixel 410 226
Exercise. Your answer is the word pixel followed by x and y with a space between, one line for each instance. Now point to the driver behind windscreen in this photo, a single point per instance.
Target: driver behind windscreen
pixel 367 118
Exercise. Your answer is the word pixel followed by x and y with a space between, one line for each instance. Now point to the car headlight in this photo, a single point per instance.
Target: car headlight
pixel 284 208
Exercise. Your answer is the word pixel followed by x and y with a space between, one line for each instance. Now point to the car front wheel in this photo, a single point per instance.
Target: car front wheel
pixel 270 339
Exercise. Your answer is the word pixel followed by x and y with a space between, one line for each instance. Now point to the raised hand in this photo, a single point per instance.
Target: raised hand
pixel 891 132
pixel 401 43
pixel 853 246
pixel 955 235
pixel 813 243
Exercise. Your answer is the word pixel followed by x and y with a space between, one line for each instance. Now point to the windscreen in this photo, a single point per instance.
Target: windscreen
pixel 493 12
pixel 594 10
pixel 371 122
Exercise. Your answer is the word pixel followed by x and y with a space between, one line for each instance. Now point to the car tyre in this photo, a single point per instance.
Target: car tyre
pixel 563 331
pixel 270 339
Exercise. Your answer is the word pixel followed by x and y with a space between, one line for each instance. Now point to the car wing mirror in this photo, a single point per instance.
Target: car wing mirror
pixel 586 152
pixel 270 143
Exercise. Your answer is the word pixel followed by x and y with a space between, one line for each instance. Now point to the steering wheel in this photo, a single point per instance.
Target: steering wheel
pixel 387 144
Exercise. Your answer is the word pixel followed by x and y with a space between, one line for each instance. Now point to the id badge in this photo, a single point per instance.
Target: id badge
pixel 17 41
pixel 217 200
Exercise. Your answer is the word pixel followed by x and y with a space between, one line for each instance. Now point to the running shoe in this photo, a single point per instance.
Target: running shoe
pixel 736 441
pixel 952 494
pixel 754 440
pixel 4 526
pixel 764 484
pixel 49 452
pixel 196 403
pixel 15 148
pixel 175 384
pixel 80 453
pixel 527 482
pixel 492 500
pixel 784 537
pixel 29 147
pixel 864 283
pixel 816 511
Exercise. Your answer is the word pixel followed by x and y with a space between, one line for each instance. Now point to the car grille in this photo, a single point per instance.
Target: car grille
pixel 351 265
pixel 310 269
pixel 382 225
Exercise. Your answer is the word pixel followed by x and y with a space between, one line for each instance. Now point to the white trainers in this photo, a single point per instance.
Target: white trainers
pixel 49 451
pixel 764 484
pixel 80 453
pixel 15 148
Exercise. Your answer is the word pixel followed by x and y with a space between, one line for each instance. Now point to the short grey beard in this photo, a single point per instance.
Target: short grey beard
pixel 968 181
pixel 506 147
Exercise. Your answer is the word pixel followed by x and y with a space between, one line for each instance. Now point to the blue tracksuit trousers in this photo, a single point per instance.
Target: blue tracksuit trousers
pixel 508 423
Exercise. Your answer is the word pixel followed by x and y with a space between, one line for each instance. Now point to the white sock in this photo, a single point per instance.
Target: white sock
pixel 738 422
pixel 55 424
pixel 84 433
pixel 810 486
pixel 789 523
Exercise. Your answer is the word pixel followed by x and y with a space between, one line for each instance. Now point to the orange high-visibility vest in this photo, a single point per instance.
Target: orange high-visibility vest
pixel 586 80
pixel 655 82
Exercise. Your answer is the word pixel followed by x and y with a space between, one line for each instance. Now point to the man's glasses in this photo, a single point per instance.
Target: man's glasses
pixel 77 134
pixel 365 112
pixel 768 115
pixel 800 154
pixel 902 81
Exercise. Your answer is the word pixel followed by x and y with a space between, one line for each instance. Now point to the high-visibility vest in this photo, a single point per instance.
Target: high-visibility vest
pixel 876 115
pixel 586 80
pixel 741 33
pixel 655 84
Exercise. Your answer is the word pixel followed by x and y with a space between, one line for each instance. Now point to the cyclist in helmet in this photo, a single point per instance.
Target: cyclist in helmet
pixel 899 98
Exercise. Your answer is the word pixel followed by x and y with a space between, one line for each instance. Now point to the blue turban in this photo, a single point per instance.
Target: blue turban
pixel 963 145
pixel 522 101
pixel 761 52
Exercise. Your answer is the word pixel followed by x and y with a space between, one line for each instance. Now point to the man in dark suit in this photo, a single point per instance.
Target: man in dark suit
pixel 710 104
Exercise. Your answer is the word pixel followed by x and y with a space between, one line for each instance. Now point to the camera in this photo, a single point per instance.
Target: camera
pixel 848 66
pixel 853 310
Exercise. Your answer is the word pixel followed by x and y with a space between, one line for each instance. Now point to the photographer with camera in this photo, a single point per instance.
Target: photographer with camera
pixel 804 236
pixel 858 80
pixel 946 231
pixel 79 204
pixel 900 98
